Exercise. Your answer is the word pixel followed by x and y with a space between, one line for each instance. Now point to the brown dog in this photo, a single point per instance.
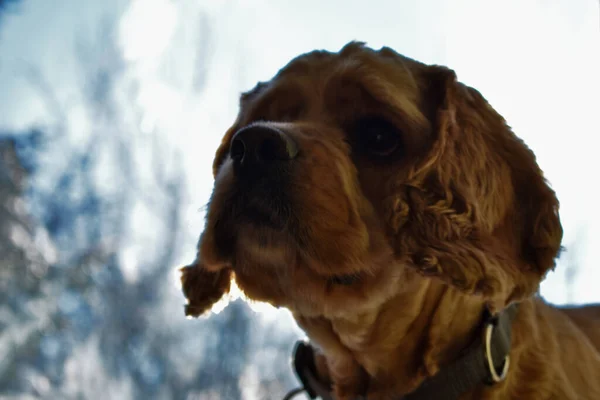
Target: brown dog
pixel 388 206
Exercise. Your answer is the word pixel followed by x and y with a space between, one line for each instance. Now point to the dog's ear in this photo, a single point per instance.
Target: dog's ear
pixel 535 214
pixel 476 210
pixel 203 288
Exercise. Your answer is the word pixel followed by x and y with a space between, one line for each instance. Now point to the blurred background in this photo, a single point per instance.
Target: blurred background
pixel 110 113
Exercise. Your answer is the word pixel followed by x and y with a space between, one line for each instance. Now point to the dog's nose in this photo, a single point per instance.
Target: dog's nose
pixel 261 144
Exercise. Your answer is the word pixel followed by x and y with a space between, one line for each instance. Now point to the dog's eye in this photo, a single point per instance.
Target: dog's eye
pixel 376 136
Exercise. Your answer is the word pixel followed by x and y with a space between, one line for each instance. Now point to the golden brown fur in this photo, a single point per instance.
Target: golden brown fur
pixel 460 220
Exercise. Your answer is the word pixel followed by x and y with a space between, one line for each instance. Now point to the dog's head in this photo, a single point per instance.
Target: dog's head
pixel 349 174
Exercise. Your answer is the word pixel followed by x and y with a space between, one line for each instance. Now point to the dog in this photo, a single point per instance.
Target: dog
pixel 394 212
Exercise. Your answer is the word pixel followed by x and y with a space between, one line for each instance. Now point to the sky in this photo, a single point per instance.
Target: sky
pixel 537 63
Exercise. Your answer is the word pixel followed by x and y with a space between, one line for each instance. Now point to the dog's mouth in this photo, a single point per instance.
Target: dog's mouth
pixel 242 217
pixel 272 212
pixel 266 224
pixel 345 280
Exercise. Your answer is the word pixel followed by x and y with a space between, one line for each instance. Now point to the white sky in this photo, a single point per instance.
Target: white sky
pixel 537 62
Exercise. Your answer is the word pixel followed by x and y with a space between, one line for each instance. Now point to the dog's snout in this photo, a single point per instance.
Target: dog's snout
pixel 261 144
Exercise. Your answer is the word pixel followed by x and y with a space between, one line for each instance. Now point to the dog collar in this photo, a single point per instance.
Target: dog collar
pixel 485 362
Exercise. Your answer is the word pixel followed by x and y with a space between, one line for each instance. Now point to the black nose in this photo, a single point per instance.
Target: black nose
pixel 261 144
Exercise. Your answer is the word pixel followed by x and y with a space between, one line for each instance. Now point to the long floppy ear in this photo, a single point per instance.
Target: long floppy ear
pixel 203 288
pixel 476 211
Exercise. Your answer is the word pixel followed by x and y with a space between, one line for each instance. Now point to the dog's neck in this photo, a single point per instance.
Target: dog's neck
pixel 412 335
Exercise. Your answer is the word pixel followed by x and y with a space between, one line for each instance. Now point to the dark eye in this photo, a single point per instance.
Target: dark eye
pixel 376 136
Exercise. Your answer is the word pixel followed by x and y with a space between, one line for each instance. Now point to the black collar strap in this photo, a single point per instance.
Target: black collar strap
pixel 485 361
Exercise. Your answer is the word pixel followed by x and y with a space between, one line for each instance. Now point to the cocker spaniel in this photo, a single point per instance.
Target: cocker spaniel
pixel 390 208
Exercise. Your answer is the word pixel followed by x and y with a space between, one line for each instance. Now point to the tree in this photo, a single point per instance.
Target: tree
pixel 7 6
pixel 77 324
